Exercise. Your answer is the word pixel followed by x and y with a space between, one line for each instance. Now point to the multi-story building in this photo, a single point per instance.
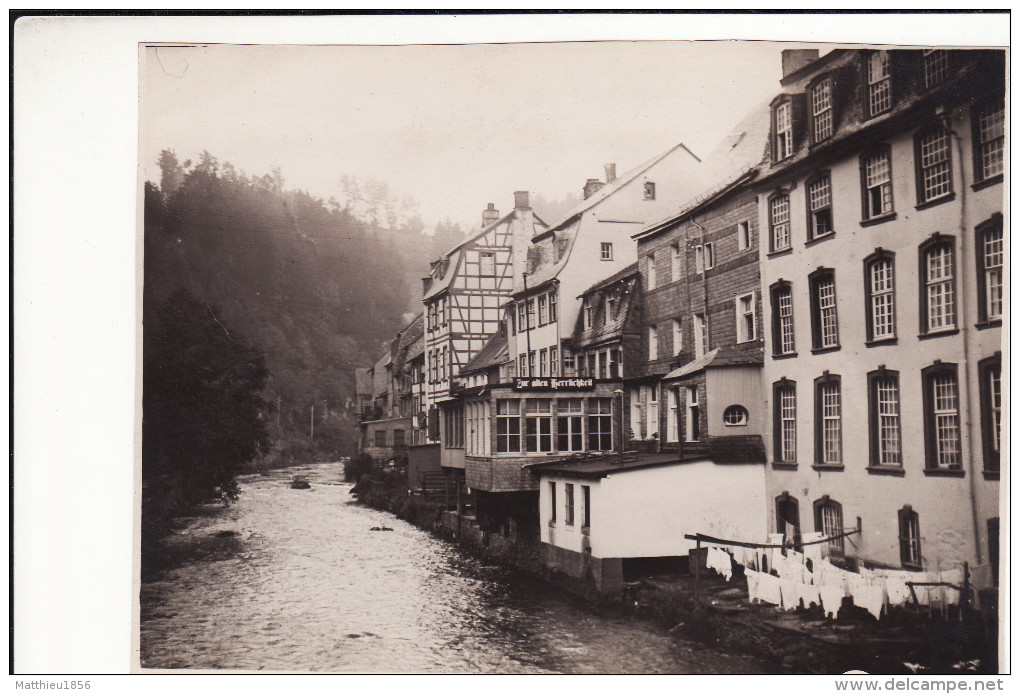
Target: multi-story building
pixel 392 420
pixel 534 419
pixel 882 267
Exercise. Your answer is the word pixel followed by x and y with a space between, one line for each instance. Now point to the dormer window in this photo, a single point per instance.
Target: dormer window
pixel 610 308
pixel 879 83
pixel 821 109
pixel 649 190
pixel 936 67
pixel 587 315
pixel 784 130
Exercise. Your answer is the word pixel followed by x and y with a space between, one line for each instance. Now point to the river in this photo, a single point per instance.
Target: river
pixel 295 580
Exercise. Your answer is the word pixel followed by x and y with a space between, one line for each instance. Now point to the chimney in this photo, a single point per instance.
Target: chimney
pixel 489 215
pixel 521 200
pixel 610 172
pixel 592 186
pixel 796 58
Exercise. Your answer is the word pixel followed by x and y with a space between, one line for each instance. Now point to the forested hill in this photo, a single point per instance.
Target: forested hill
pixel 317 289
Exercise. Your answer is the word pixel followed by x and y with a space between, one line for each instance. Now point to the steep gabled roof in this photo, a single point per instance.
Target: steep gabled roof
pixel 492 353
pixel 612 187
pixel 412 332
pixel 612 279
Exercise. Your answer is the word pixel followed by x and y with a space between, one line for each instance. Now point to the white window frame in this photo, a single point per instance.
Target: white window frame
pixel 678 336
pixel 676 262
pixel 746 307
pixel 700 335
pixel 744 236
pixel 607 250
pixel 651 271
pixel 693 414
pixel 784 130
pixel 653 342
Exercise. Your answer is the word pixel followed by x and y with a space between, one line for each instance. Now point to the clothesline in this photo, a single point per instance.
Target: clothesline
pixel 759 545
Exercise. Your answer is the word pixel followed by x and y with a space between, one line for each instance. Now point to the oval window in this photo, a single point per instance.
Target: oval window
pixel 735 416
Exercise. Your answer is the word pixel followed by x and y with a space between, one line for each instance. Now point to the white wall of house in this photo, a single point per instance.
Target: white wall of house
pixel 646 512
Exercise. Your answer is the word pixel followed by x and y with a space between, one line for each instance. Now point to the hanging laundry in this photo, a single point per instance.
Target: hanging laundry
pixel 794 569
pixel 812 552
pixel 789 591
pixel 897 590
pixel 808 594
pixel 775 539
pixel 832 599
pixel 752 585
pixel 871 598
pixel 768 589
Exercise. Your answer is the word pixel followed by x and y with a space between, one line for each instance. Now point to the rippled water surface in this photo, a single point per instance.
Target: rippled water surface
pixel 291 579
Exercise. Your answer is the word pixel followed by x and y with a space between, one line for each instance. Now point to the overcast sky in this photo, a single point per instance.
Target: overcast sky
pixel 454 127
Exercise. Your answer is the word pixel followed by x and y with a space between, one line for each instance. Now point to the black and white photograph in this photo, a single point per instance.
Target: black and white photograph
pixel 584 355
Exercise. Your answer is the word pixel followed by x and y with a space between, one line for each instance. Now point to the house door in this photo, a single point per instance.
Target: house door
pixel 788 519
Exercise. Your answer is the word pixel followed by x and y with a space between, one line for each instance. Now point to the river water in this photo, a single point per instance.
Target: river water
pixel 295 580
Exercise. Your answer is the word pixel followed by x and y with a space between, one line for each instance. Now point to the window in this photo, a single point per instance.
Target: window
pixel 746 330
pixel 380 438
pixel 784 130
pixel 568 493
pixel 884 418
pixel 936 67
pixel 785 405
pixel 487 264
pixel 543 362
pixel 704 257
pixel 600 425
pixel 819 194
pixel 990 391
pixel 522 316
pixel 614 364
pixel 735 416
pixel 588 313
pixel 398 438
pixel 531 313
pixel 989 135
pixel 653 343
pixel 829 521
pixel 554 362
pixel 700 336
pixel 678 336
pixel 989 254
pixel 522 365
pixel 543 310
pixel 653 410
pixel 603 365
pixel 568 425
pixel 934 164
pixel 610 308
pixel 552 306
pixel 607 251
pixel 552 502
pixel 532 370
pixel 779 222
pixel 676 263
pixel 591 365
pixel 744 236
pixel 876 172
pixel 692 424
pixel 453 418
pixel 821 109
pixel 881 297
pixel 649 190
pixel 508 426
pixel 586 496
pixel 938 299
pixel 782 319
pixel 651 272
pixel 910 538
pixel 538 425
pixel 942 417
pixel 824 322
pixel 568 363
pixel 672 424
pixel 828 421
pixel 879 86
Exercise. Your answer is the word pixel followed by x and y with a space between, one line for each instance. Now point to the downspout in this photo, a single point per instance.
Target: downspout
pixel 965 334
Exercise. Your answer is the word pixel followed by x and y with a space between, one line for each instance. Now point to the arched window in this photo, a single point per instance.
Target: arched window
pixel 829 520
pixel 880 292
pixel 938 285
